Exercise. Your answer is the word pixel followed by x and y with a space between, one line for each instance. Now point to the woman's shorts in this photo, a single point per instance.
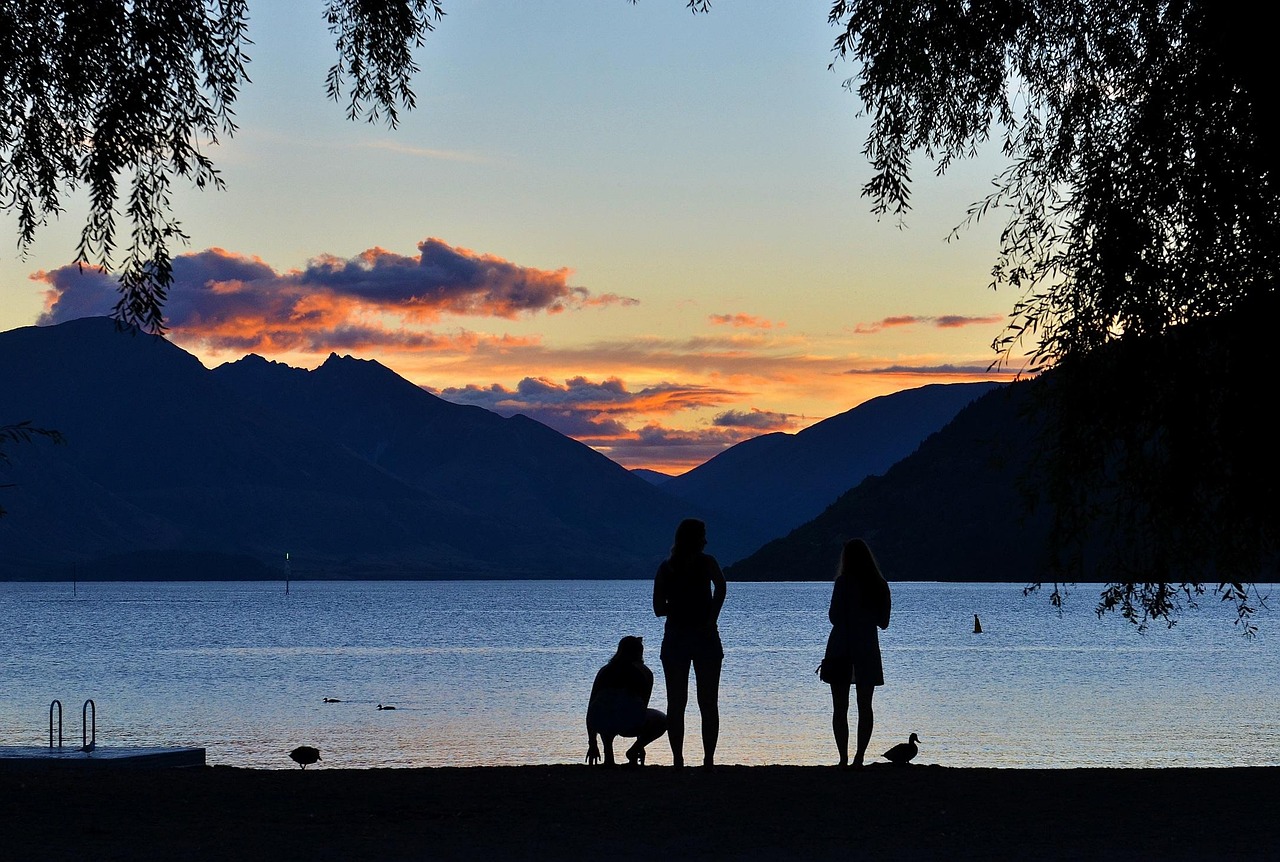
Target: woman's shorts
pixel 696 646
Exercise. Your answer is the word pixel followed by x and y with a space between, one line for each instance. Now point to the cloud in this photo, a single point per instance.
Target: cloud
pixel 422 152
pixel 625 425
pixel 945 369
pixel 743 321
pixel 944 321
pixel 579 397
pixel 671 450
pixel 232 301
pixel 630 426
pixel 756 420
pixel 955 321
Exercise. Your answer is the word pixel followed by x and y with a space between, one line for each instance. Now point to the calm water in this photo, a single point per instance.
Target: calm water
pixel 498 673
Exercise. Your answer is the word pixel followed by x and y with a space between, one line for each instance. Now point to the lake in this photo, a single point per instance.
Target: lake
pixel 498 672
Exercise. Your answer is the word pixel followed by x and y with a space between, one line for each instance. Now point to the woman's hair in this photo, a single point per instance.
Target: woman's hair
pixel 691 538
pixel 630 648
pixel 858 563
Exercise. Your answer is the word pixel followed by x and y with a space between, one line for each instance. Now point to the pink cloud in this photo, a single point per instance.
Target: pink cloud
pixel 232 301
pixel 552 402
pixel 945 321
pixel 671 450
pixel 744 321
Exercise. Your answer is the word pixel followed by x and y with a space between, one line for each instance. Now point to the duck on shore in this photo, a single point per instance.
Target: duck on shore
pixel 903 752
pixel 304 755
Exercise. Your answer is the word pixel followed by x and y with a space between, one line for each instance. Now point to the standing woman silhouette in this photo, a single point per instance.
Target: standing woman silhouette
pixel 689 591
pixel 860 603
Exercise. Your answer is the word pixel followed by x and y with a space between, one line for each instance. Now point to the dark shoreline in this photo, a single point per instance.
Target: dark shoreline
pixel 578 812
pixel 490 577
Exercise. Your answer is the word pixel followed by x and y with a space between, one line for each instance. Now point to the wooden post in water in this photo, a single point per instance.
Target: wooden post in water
pixel 288 572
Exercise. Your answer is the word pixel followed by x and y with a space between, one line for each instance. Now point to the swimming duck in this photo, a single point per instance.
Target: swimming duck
pixel 903 752
pixel 304 755
pixel 332 700
pixel 380 706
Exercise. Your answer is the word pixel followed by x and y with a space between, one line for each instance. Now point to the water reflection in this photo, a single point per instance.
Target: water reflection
pixel 498 673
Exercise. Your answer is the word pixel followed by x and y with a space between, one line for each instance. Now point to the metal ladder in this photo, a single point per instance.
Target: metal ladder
pixel 88 731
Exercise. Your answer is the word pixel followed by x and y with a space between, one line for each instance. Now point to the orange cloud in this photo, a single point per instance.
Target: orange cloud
pixel 670 450
pixel 538 397
pixel 744 321
pixel 230 301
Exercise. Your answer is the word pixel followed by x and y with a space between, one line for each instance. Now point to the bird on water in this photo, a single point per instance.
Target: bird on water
pixel 380 706
pixel 304 755
pixel 903 752
pixel 332 700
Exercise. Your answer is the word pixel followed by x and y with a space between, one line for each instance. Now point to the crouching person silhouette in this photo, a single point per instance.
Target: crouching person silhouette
pixel 619 705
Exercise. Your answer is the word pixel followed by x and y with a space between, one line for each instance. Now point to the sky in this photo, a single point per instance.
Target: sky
pixel 640 226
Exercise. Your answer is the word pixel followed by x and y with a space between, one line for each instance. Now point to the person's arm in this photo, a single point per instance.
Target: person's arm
pixel 660 591
pixel 647 689
pixel 885 608
pixel 837 612
pixel 721 588
pixel 593 748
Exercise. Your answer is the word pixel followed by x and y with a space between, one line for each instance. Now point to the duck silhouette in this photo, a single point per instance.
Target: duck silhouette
pixel 903 752
pixel 380 706
pixel 332 700
pixel 304 755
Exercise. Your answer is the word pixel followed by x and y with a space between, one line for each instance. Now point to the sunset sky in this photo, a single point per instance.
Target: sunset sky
pixel 640 226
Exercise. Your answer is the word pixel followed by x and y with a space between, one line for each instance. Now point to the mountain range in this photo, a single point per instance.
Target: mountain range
pixel 776 482
pixel 174 471
pixel 962 507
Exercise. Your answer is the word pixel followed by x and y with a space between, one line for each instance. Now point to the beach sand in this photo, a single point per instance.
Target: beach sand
pixel 580 812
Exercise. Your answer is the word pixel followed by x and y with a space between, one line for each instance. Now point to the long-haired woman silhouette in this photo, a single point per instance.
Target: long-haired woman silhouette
pixel 689 591
pixel 860 603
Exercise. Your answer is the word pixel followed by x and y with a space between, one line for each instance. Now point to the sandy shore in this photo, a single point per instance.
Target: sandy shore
pixel 577 812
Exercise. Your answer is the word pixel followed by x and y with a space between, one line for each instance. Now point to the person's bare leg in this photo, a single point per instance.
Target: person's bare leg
pixel 866 720
pixel 607 740
pixel 708 680
pixel 676 674
pixel 840 719
pixel 655 724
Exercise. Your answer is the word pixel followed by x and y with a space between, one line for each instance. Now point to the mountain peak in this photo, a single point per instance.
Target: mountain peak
pixel 252 360
pixel 349 370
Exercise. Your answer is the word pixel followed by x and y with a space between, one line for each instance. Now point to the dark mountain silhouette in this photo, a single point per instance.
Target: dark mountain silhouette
pixel 171 469
pixel 776 482
pixel 955 510
pixel 653 477
pixel 512 469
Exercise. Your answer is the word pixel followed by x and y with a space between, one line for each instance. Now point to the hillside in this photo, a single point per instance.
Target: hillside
pixel 171 470
pixel 777 482
pixel 955 510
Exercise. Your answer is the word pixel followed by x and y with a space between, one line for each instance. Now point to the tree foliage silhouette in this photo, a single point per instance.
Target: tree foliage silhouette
pixel 1142 213
pixel 121 98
